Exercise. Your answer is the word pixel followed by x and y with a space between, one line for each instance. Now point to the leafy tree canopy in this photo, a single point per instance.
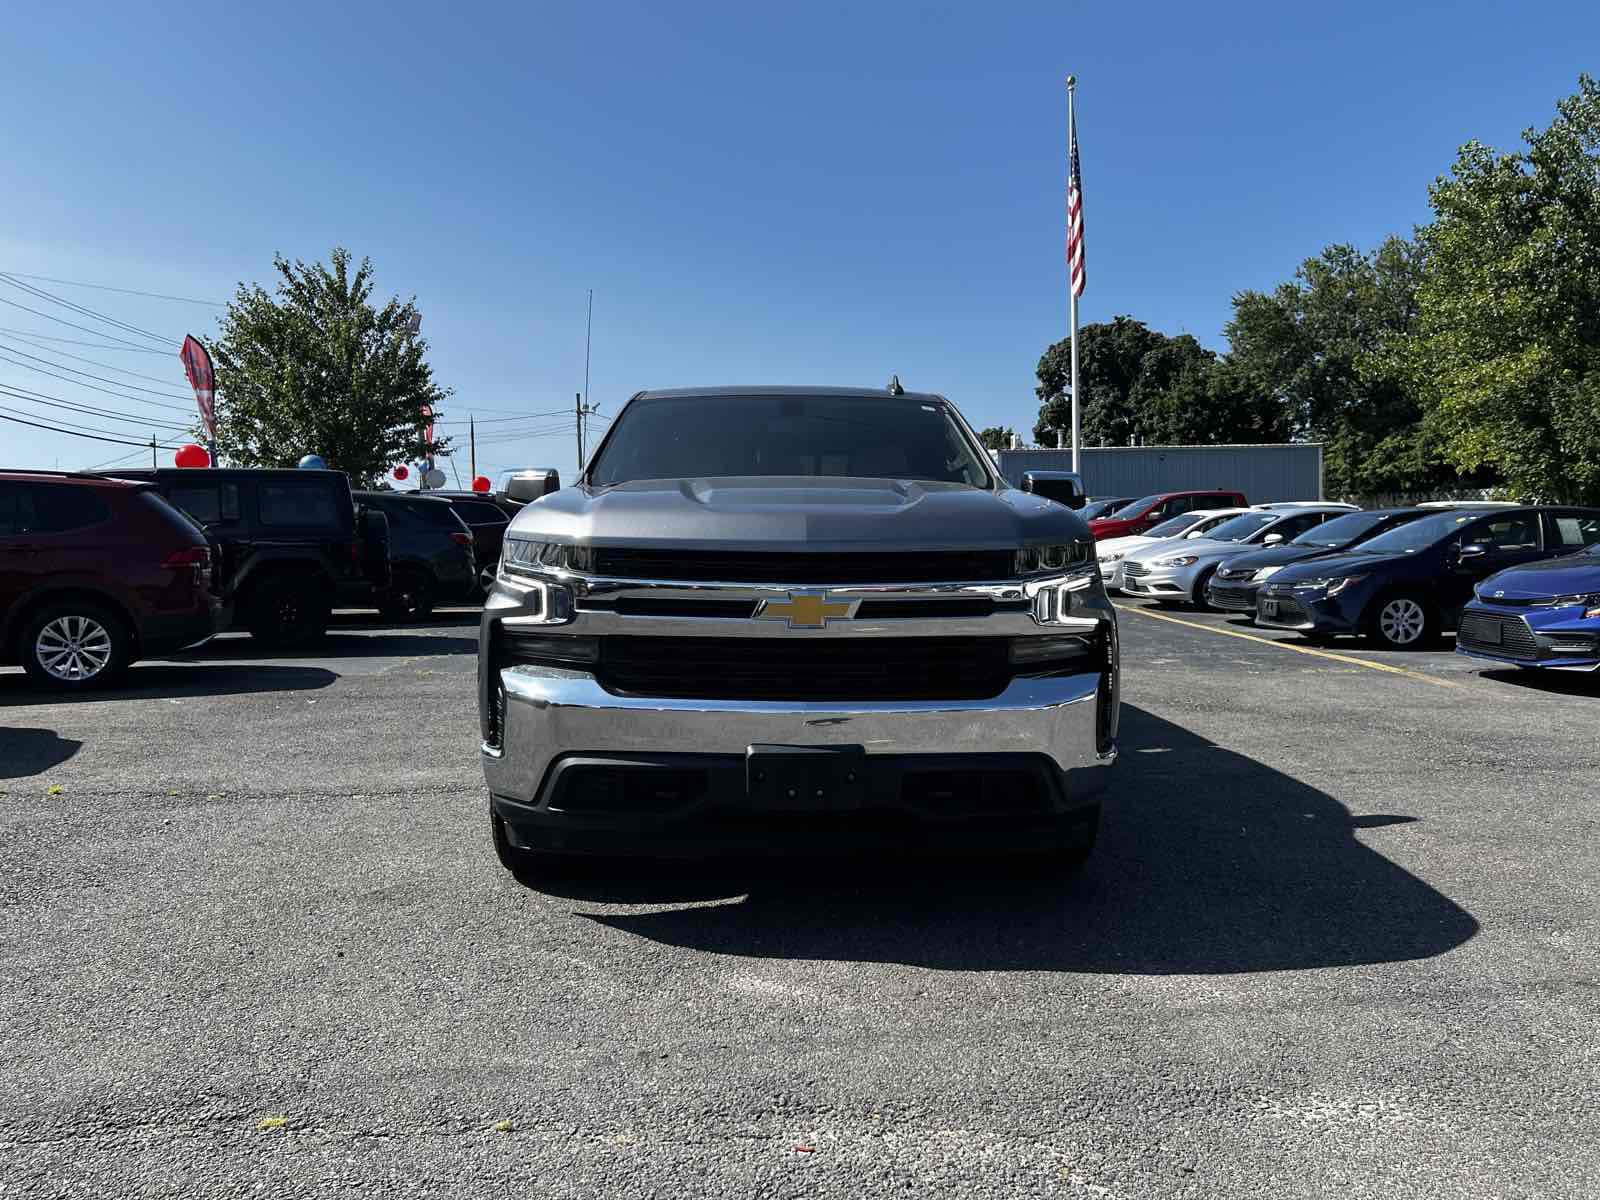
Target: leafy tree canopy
pixel 1317 347
pixel 1140 385
pixel 997 437
pixel 316 368
pixel 1505 350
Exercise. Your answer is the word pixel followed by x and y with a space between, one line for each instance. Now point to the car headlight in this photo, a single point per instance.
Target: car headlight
pixel 524 556
pixel 1180 560
pixel 1333 584
pixel 1114 556
pixel 1037 560
pixel 1264 574
pixel 1588 599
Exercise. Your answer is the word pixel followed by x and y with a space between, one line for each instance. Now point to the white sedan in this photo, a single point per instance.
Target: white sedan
pixel 1194 524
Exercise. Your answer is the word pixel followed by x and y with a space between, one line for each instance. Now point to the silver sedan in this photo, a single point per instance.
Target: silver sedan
pixel 1178 571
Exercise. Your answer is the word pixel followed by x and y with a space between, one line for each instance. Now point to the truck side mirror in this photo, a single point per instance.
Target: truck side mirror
pixel 1061 486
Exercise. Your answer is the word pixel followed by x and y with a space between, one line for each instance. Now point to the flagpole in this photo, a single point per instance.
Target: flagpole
pixel 1072 293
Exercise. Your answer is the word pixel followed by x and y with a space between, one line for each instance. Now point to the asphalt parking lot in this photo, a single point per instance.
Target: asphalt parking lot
pixel 1340 937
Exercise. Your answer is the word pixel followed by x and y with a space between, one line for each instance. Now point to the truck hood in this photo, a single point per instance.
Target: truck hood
pixel 1573 575
pixel 806 513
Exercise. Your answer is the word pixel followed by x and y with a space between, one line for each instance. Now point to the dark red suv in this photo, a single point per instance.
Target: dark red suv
pixel 1152 510
pixel 95 573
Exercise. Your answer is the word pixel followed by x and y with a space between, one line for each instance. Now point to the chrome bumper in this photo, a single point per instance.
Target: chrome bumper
pixel 551 713
pixel 555 712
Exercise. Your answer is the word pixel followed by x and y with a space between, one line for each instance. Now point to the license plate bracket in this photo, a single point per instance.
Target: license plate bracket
pixel 1269 607
pixel 805 778
pixel 1492 632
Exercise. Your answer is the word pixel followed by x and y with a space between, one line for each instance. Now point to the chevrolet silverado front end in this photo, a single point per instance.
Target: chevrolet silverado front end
pixel 776 620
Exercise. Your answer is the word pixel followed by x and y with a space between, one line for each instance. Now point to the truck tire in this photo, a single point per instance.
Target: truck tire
pixel 410 596
pixel 287 610
pixel 74 645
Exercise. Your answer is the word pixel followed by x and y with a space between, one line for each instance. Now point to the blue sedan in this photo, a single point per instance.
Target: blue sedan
pixel 1540 615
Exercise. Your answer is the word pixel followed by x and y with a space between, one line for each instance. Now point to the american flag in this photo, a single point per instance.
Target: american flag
pixel 1075 211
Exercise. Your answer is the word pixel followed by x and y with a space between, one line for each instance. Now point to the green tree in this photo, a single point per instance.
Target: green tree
pixel 315 367
pixel 1319 348
pixel 1505 351
pixel 1109 358
pixel 1139 384
pixel 997 437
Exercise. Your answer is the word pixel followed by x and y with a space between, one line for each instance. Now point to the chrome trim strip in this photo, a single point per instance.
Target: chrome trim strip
pixel 551 712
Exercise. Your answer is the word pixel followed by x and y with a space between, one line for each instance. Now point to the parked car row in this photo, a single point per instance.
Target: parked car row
pixel 97 571
pixel 1519 584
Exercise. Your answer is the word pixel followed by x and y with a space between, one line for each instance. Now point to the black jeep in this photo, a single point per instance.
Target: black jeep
pixel 291 545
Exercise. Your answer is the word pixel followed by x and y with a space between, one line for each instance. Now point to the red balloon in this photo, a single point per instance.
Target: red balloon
pixel 192 456
pixel 481 484
pixel 400 472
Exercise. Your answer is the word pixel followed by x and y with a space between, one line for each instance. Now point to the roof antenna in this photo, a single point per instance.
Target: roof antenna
pixel 894 386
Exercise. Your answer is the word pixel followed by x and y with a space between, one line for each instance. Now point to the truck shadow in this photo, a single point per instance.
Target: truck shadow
pixel 1208 862
pixel 25 752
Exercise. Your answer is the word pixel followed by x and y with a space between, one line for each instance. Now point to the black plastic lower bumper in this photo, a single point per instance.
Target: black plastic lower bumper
pixel 783 802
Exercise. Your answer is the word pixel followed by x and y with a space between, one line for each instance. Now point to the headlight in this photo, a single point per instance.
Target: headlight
pixel 1181 560
pixel 1036 560
pixel 1264 573
pixel 523 556
pixel 1334 584
pixel 1588 599
pixel 1114 556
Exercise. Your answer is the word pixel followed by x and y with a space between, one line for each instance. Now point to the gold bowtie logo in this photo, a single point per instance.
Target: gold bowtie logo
pixel 806 610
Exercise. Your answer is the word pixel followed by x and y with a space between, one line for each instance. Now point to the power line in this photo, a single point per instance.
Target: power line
pixel 50 337
pixel 132 387
pixel 87 409
pixel 29 338
pixel 85 310
pixel 117 462
pixel 116 441
pixel 555 412
pixel 62 320
pixel 105 287
pixel 107 391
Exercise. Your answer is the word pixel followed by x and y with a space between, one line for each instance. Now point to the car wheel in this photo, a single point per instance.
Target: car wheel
pixel 410 595
pixel 1200 584
pixel 1401 621
pixel 74 646
pixel 287 610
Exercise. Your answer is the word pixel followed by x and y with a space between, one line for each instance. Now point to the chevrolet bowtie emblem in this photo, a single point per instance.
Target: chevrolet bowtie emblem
pixel 807 610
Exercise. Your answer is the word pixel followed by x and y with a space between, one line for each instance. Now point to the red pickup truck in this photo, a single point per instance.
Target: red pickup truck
pixel 1152 510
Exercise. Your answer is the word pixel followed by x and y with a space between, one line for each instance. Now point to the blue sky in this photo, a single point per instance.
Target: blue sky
pixel 826 194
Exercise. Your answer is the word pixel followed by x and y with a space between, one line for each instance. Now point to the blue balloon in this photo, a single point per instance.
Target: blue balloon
pixel 313 462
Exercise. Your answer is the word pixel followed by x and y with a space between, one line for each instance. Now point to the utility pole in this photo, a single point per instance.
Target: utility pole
pixel 153 452
pixel 472 443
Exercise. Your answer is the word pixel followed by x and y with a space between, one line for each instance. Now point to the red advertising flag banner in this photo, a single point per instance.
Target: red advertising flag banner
pixel 197 365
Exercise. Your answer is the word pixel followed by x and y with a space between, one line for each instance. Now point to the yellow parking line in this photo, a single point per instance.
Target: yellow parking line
pixel 1250 637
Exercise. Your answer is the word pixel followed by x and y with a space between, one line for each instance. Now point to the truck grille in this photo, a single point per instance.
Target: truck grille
pixel 946 566
pixel 806 669
pixel 1508 637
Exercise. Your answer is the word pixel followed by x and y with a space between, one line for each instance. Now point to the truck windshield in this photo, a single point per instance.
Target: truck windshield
pixel 873 437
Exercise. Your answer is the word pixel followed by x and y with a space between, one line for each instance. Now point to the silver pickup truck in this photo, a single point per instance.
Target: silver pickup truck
pixel 776 620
